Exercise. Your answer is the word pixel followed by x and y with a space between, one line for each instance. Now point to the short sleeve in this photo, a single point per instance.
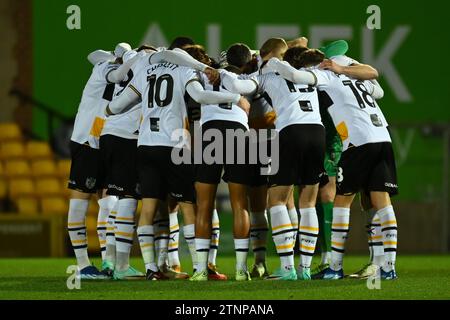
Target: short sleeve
pixel 139 82
pixel 369 86
pixel 102 69
pixel 129 55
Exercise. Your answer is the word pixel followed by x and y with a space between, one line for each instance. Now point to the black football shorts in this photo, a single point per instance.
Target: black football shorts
pixel 86 174
pixel 119 161
pixel 370 167
pixel 301 156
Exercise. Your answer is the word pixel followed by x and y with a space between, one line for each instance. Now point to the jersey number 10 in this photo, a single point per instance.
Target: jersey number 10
pixel 154 90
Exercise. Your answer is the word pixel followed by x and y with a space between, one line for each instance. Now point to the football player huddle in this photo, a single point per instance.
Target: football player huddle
pixel 164 126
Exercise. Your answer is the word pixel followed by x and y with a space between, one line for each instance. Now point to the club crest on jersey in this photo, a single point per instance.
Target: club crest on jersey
pixel 90 183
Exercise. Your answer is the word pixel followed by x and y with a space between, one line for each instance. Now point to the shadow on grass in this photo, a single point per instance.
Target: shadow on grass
pixel 58 285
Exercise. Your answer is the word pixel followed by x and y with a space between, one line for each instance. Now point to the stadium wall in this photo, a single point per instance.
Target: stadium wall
pixel 61 68
pixel 8 64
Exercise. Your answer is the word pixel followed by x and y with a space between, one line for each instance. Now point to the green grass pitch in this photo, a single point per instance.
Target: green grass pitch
pixel 420 277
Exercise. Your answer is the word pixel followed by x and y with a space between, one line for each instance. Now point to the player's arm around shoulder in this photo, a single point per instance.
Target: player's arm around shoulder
pixel 349 67
pixel 130 96
pixel 290 73
pixel 239 85
pixel 100 56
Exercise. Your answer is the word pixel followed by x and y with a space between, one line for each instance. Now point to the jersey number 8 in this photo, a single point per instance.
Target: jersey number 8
pixel 361 94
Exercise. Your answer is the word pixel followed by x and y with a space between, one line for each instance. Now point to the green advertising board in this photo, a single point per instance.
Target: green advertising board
pixel 408 49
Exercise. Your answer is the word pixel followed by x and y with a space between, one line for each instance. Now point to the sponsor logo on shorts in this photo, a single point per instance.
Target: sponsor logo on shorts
pixel 176 195
pixel 113 186
pixel 390 185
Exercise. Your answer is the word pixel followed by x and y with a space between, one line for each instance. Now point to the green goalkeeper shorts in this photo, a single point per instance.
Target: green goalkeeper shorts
pixel 332 157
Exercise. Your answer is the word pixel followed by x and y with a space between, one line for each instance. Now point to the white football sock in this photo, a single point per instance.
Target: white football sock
pixel 215 236
pixel 174 237
pixel 161 240
pixel 202 249
pixel 241 248
pixel 124 232
pixel 293 215
pixel 389 232
pixel 110 254
pixel 375 238
pixel 339 233
pixel 282 235
pixel 105 206
pixel 76 226
pixel 189 236
pixel 309 231
pixel 146 238
pixel 258 234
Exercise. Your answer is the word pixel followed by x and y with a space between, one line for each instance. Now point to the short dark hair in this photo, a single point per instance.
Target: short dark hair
pixel 214 64
pixel 251 66
pixel 181 42
pixel 293 56
pixel 311 57
pixel 239 55
pixel 146 47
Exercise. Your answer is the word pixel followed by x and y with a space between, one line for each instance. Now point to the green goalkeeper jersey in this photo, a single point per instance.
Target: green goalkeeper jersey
pixel 333 144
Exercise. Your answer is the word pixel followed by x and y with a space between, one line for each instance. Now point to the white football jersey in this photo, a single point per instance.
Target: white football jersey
pixel 356 115
pixel 126 125
pixel 162 88
pixel 344 60
pixel 293 103
pixel 90 117
pixel 260 106
pixel 224 111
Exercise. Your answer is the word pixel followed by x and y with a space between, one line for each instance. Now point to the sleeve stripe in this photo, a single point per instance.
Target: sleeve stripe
pixel 150 59
pixel 315 78
pixel 107 74
pixel 257 85
pixel 192 80
pixel 135 90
